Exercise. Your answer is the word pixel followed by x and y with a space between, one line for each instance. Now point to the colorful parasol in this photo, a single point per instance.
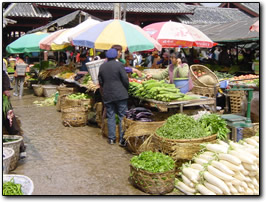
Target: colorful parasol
pixel 108 33
pixel 27 43
pixel 173 34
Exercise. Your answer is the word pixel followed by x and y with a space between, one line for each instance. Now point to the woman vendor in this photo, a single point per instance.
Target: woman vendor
pixel 176 69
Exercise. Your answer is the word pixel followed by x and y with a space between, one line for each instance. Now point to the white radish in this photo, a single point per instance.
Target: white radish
pixel 208 153
pixel 257 138
pixel 222 167
pixel 251 167
pixel 184 191
pixel 206 157
pixel 252 174
pixel 249 191
pixel 185 187
pixel 244 171
pixel 187 181
pixel 240 189
pixel 239 176
pixel 217 182
pixel 241 157
pixel 231 187
pixel 243 184
pixel 251 142
pixel 231 158
pixel 203 190
pixel 213 188
pixel 216 148
pixel 219 174
pixel 247 154
pixel 196 166
pixel 236 182
pixel 200 161
pixel 191 174
pixel 230 165
pixel 255 182
pixel 251 186
pixel 223 143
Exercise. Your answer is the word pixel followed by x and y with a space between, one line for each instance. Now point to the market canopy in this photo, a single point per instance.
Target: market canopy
pixel 173 34
pixel 116 32
pixel 237 31
pixel 27 43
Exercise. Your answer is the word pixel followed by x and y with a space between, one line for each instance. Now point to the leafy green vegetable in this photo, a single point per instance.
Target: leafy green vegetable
pixel 6 104
pixel 79 96
pixel 181 126
pixel 87 78
pixel 214 124
pixel 154 162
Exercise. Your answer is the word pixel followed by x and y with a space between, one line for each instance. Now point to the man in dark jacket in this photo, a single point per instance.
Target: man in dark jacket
pixel 114 82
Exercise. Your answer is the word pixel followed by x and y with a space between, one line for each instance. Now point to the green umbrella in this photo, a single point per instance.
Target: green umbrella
pixel 27 43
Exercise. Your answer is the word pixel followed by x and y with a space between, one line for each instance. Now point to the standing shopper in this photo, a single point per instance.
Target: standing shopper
pixel 19 80
pixel 114 82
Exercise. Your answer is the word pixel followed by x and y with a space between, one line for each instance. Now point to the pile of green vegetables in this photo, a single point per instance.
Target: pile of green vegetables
pixel 86 78
pixel 182 126
pixel 214 124
pixel 11 188
pixel 223 75
pixel 79 96
pixel 135 75
pixel 154 162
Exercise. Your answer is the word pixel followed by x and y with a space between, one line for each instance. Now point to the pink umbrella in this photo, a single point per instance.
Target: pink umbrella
pixel 46 43
pixel 173 34
pixel 255 27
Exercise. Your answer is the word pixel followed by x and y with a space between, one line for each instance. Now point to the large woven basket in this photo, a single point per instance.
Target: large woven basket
pixel 68 103
pixel 136 132
pixel 152 183
pixel 249 132
pixel 63 90
pixel 197 81
pixel 205 91
pixel 38 89
pixel 236 99
pixel 8 153
pixel 180 149
pixel 74 117
pixel 105 130
pixel 15 145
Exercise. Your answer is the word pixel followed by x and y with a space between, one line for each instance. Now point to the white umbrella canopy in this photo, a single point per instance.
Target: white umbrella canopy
pixel 66 37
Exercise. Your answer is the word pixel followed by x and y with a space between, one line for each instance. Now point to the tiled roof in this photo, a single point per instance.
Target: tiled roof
pixel 212 15
pixel 230 32
pixel 255 7
pixel 28 10
pixel 131 7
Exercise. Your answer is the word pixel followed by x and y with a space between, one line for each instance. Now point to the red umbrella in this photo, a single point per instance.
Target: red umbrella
pixel 255 27
pixel 173 34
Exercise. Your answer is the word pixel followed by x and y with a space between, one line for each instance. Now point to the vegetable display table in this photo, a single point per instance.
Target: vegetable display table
pixel 202 100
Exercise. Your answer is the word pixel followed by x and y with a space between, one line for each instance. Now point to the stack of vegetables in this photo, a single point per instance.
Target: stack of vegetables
pixel 53 72
pixel 157 90
pixel 47 102
pixel 223 75
pixel 79 96
pixel 139 114
pixel 223 169
pixel 182 126
pixel 135 75
pixel 249 79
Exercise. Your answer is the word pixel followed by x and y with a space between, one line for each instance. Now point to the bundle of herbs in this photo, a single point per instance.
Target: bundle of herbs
pixel 154 162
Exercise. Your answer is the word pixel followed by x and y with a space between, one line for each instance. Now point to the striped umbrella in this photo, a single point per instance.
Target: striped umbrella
pixel 173 34
pixel 27 43
pixel 108 33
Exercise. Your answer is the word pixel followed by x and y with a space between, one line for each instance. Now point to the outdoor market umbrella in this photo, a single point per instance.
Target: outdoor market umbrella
pixel 255 27
pixel 26 43
pixel 173 34
pixel 47 43
pixel 108 33
pixel 66 37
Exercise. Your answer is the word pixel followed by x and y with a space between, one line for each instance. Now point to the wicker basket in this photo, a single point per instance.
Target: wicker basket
pixel 136 132
pixel 8 154
pixel 15 145
pixel 38 89
pixel 105 130
pixel 236 99
pixel 205 91
pixel 249 132
pixel 68 103
pixel 63 90
pixel 180 149
pixel 76 116
pixel 152 183
pixel 197 80
pixel 27 185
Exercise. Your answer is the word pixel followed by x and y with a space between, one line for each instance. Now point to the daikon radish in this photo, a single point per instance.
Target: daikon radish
pixel 257 138
pixel 236 182
pixel 191 174
pixel 223 143
pixel 239 176
pixel 231 158
pixel 257 161
pixel 196 166
pixel 208 153
pixel 252 174
pixel 187 181
pixel 252 151
pixel 249 191
pixel 230 165
pixel 240 189
pixel 200 161
pixel 255 182
pixel 244 171
pixel 251 186
pixel 249 145
pixel 243 184
pixel 217 182
pixel 252 142
pixel 206 157
pixel 241 157
pixel 185 187
pixel 251 167
pixel 203 190
pixel 216 148
pixel 184 191
pixel 219 174
pixel 222 167
pixel 213 188
pixel 231 188
pixel 247 154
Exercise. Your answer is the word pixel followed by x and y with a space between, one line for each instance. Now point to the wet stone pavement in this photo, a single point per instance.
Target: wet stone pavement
pixel 69 160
